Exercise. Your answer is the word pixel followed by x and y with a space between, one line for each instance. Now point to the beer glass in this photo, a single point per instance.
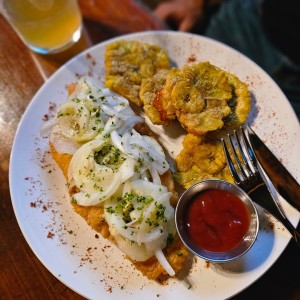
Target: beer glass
pixel 45 26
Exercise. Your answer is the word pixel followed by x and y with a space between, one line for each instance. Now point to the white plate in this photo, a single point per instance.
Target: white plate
pixel 92 266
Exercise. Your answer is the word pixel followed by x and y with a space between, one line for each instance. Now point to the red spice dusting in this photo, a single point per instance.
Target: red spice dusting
pixel 192 58
pixel 51 112
pixel 52 106
pixel 45 117
pixel 90 57
pixel 50 235
pixel 38 203
pixel 108 287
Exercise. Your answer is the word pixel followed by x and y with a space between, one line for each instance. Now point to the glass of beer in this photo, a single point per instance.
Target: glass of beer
pixel 46 26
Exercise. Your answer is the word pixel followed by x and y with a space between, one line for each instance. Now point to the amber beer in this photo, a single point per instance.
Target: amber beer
pixel 46 26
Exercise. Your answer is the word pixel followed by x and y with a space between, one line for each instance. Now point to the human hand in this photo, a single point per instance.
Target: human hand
pixel 182 13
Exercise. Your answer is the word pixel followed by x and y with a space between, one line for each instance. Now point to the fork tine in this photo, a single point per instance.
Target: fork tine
pixel 241 163
pixel 251 155
pixel 244 174
pixel 246 152
pixel 249 178
pixel 230 163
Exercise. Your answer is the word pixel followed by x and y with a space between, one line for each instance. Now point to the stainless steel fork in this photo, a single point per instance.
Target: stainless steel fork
pixel 244 169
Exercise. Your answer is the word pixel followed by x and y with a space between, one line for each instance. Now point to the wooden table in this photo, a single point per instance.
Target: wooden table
pixel 22 276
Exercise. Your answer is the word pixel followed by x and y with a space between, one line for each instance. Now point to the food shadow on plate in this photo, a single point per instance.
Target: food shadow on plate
pixel 184 273
pixel 253 259
pixel 256 256
pixel 254 110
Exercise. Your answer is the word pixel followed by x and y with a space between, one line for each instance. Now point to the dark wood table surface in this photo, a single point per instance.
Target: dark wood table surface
pixel 22 275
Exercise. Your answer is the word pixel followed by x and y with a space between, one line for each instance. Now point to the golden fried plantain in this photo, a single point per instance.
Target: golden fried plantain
pixel 150 93
pixel 128 63
pixel 240 103
pixel 200 159
pixel 203 97
pixel 198 96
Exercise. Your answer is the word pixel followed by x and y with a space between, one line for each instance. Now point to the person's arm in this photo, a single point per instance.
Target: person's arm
pixel 182 13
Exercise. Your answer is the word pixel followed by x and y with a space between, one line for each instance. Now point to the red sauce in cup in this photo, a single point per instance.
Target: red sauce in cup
pixel 217 220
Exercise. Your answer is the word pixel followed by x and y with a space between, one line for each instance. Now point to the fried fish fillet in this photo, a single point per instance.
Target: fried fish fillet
pixel 175 252
pixel 128 63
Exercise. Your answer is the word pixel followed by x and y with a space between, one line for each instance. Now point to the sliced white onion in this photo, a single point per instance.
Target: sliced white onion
pixel 154 175
pixel 46 127
pixel 117 141
pixel 139 234
pixel 125 172
pixel 133 250
pixel 61 143
pixel 163 261
pixel 143 187
pixel 129 124
pixel 88 108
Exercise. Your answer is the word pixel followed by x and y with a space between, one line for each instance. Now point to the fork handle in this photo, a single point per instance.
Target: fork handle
pixel 263 197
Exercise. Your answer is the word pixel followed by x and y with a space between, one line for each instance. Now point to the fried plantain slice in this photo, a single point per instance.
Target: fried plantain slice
pixel 203 98
pixel 150 94
pixel 198 96
pixel 128 63
pixel 200 159
pixel 240 103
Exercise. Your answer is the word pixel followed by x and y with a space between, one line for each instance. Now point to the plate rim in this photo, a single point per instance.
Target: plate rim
pixel 35 98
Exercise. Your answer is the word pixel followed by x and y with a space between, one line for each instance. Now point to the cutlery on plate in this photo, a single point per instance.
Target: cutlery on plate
pixel 244 169
pixel 285 184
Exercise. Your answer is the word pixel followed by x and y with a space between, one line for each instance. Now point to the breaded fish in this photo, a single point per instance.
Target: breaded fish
pixel 175 252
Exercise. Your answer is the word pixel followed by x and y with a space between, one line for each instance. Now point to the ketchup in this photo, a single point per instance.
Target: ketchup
pixel 217 220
